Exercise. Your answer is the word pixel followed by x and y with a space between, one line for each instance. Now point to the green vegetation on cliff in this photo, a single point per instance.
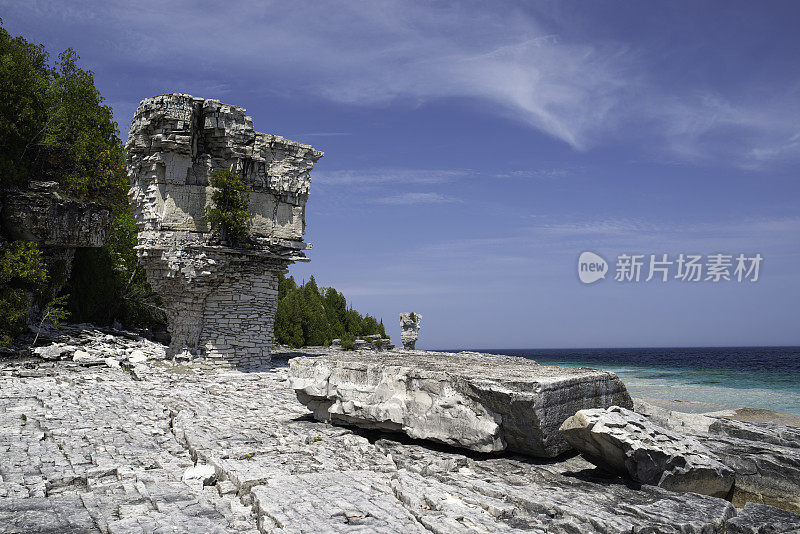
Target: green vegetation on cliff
pixel 55 126
pixel 229 216
pixel 22 275
pixel 310 315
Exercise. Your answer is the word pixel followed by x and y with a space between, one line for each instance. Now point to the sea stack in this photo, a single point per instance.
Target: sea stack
pixel 220 300
pixel 410 323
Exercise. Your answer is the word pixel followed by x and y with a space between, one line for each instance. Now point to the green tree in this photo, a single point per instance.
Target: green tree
pixel 22 275
pixel 229 216
pixel 369 326
pixel 54 124
pixel 310 315
pixel 289 320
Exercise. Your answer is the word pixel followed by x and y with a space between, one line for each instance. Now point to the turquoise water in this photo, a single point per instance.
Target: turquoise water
pixel 730 377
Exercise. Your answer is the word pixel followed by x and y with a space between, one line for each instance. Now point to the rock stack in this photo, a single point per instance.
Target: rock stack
pixel 410 323
pixel 220 300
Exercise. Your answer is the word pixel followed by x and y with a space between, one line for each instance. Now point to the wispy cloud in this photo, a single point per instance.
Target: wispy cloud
pixel 385 176
pixel 535 173
pixel 631 235
pixel 417 198
pixel 325 134
pixel 516 61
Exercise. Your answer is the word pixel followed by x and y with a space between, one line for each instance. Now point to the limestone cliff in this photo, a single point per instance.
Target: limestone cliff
pixel 41 214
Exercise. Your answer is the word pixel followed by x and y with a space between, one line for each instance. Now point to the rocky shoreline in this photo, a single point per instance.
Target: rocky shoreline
pixel 108 436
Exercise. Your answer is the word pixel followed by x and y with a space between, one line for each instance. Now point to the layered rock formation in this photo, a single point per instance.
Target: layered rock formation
pixel 410 323
pixel 59 225
pixel 765 457
pixel 626 443
pixel 220 301
pixel 373 342
pixel 482 402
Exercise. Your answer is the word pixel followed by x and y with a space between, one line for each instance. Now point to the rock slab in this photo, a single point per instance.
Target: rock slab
pixel 764 456
pixel 482 402
pixel 624 442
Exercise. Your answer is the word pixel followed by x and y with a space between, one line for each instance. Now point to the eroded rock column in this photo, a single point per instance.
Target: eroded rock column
pixel 410 323
pixel 220 300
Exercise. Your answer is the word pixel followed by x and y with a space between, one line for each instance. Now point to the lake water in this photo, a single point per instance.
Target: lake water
pixel 731 377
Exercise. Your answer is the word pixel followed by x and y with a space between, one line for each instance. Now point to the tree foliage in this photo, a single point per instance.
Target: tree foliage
pixel 108 284
pixel 310 315
pixel 54 124
pixel 229 216
pixel 22 275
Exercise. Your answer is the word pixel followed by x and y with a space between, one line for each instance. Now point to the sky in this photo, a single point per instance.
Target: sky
pixel 475 149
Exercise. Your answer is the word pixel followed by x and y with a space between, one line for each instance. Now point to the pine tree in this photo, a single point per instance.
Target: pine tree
pixel 229 216
pixel 310 315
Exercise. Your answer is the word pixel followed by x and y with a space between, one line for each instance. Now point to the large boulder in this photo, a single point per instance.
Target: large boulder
pixel 766 459
pixel 764 456
pixel 481 402
pixel 624 442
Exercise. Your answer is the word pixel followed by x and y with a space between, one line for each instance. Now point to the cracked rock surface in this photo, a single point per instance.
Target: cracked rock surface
pixel 765 457
pixel 625 442
pixel 180 448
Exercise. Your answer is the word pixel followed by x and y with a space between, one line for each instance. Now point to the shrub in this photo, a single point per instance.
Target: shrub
pixel 229 216
pixel 348 341
pixel 23 280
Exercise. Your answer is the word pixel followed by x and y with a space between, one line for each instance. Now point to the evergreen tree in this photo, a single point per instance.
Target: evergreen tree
pixel 55 125
pixel 229 216
pixel 310 315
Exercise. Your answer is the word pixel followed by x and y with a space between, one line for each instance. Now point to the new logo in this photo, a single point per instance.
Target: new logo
pixel 591 267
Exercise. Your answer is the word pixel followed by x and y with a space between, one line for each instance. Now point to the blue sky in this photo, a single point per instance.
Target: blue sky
pixel 475 149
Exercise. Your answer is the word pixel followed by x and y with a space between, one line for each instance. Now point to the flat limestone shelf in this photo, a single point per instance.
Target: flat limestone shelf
pixel 482 402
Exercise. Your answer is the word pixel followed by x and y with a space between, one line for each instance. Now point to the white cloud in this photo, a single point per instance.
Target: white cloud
pixel 766 235
pixel 417 198
pixel 367 53
pixel 387 176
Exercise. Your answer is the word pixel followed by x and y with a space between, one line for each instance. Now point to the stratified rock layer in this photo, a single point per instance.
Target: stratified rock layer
pixel 477 401
pixel 220 301
pixel 626 443
pixel 41 214
pixel 765 457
